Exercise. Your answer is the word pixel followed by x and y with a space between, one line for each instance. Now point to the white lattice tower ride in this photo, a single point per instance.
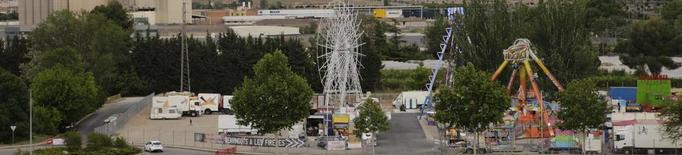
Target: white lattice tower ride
pixel 341 57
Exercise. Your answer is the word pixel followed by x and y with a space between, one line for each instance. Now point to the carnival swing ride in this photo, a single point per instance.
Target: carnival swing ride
pixel 530 115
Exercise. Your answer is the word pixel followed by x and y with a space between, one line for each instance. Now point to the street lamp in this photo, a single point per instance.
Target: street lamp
pixel 13 127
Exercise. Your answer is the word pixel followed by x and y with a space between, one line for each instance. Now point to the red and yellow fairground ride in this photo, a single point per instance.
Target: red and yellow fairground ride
pixel 532 119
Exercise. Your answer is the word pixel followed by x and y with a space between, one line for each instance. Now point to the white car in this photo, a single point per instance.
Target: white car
pixel 153 146
pixel 111 118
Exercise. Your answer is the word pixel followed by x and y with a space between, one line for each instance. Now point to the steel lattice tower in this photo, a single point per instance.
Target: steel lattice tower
pixel 184 55
pixel 341 40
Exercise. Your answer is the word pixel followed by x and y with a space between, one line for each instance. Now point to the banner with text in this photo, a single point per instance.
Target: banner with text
pixel 266 142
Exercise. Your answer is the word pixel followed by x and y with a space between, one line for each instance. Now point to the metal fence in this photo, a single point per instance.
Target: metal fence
pixel 191 138
pixel 111 127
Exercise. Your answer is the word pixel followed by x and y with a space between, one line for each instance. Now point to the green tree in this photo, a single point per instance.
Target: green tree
pixel 558 30
pixel 46 120
pixel 649 44
pixel 13 53
pixel 115 12
pixel 275 98
pixel 672 10
pixel 72 140
pixel 371 119
pixel 434 34
pixel 67 57
pixel 71 93
pixel 13 105
pixel 98 141
pixel 582 108
pixel 605 15
pixel 100 43
pixel 472 102
pixel 672 126
pixel 371 69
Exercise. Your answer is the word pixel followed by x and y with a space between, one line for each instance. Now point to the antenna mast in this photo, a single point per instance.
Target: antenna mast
pixel 184 54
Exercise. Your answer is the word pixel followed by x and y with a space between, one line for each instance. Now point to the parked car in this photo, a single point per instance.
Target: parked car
pixel 322 141
pixel 153 146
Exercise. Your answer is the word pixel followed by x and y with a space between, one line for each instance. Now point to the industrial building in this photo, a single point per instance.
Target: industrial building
pixel 32 12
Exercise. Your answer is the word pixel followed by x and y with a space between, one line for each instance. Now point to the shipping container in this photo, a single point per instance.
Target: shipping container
pixel 379 13
pixel 394 13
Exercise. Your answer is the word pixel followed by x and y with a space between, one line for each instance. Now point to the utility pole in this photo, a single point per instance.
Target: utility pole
pixel 184 54
pixel 30 122
pixel 13 127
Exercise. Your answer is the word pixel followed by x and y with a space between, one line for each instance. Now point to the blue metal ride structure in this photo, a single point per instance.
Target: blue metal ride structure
pixel 451 14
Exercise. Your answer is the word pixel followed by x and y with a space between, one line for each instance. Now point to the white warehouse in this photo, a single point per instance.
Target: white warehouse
pixel 299 13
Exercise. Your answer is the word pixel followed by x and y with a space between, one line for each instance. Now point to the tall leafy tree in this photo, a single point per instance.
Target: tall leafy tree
pixel 13 53
pixel 582 108
pixel 99 42
pixel 72 93
pixel 672 126
pixel 557 29
pixel 472 102
pixel 434 34
pixel 672 10
pixel 605 15
pixel 487 29
pixel 649 45
pixel 274 98
pixel 371 119
pixel 115 12
pixel 13 105
pixel 562 39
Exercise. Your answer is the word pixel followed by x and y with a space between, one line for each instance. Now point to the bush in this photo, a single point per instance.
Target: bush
pixel 73 141
pixel 51 151
pixel 120 143
pixel 97 141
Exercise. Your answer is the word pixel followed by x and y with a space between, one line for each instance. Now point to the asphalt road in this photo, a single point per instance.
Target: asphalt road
pixel 174 151
pixel 405 137
pixel 166 151
pixel 97 119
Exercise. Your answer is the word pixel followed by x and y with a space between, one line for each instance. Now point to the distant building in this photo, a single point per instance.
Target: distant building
pixel 7 6
pixel 32 12
pixel 643 7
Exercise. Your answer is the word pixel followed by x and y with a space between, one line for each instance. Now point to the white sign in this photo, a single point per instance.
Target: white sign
pixel 13 127
pixel 57 141
pixel 336 145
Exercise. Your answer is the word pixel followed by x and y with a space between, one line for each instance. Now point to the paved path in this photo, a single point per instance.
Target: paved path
pixel 97 119
pixel 405 137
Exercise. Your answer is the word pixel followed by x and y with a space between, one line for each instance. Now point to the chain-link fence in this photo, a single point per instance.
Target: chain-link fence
pixel 189 138
pixel 122 118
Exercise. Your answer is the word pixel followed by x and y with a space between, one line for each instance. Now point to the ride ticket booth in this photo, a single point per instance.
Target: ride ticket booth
pixel 341 122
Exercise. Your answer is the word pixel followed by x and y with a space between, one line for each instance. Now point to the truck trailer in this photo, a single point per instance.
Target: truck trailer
pixel 227 124
pixel 162 109
pixel 211 102
pixel 186 105
pixel 640 133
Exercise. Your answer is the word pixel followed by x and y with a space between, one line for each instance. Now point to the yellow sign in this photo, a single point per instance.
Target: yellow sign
pixel 340 118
